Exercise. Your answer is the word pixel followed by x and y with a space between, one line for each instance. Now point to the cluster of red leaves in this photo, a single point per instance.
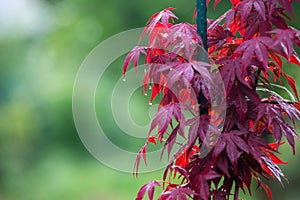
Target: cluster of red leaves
pixel 248 44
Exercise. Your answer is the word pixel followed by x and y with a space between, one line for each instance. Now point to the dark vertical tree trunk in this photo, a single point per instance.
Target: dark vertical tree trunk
pixel 202 21
pixel 202 31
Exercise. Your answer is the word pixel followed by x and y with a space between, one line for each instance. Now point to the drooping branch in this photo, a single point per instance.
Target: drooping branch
pixel 240 58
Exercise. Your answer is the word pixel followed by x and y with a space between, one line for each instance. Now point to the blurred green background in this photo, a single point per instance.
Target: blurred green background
pixel 43 43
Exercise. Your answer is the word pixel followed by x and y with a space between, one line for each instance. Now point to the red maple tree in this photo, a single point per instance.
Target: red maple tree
pixel 248 45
